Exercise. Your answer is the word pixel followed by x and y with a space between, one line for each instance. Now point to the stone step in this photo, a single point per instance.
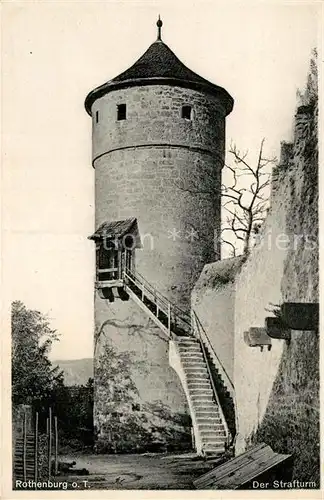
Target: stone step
pixel 200 400
pixel 192 356
pixel 198 373
pixel 211 450
pixel 213 443
pixel 201 412
pixel 191 370
pixel 188 341
pixel 195 351
pixel 212 433
pixel 204 391
pixel 193 374
pixel 191 377
pixel 199 384
pixel 189 365
pixel 209 427
pixel 194 363
pixel 214 452
pixel 198 379
pixel 189 347
pixel 215 423
pixel 198 396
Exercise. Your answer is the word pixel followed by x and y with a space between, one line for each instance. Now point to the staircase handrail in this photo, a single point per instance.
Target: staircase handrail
pixel 200 329
pixel 180 313
pixel 203 347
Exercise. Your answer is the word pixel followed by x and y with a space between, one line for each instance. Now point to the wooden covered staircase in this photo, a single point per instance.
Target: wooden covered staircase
pixel 209 390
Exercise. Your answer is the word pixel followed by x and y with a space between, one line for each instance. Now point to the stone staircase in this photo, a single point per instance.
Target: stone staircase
pixel 190 354
pixel 208 421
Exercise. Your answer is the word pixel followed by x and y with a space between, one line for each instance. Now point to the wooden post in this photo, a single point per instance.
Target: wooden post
pixel 193 442
pixel 24 446
pixel 169 318
pixel 56 444
pixel 119 259
pixel 143 292
pixel 49 442
pixel 36 448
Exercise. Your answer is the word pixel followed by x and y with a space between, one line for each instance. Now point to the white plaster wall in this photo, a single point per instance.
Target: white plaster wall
pixel 213 301
pixel 257 286
pixel 282 268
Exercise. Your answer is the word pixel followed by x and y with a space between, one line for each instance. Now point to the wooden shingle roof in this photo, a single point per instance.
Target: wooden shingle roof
pixel 115 229
pixel 159 65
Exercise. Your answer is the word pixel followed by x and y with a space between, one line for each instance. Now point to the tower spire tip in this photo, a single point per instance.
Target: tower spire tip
pixel 159 25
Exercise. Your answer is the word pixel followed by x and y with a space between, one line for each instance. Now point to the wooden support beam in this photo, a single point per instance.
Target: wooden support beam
pixel 169 318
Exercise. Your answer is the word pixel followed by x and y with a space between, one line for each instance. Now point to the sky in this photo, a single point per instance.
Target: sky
pixel 53 54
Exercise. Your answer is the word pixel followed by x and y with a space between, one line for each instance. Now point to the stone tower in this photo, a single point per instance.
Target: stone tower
pixel 158 132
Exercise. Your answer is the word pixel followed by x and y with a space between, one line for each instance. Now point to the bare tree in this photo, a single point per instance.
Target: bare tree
pixel 244 193
pixel 245 198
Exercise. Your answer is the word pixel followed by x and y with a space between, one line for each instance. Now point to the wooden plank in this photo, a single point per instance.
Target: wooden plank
pixel 231 479
pixel 275 460
pixel 230 465
pixel 248 473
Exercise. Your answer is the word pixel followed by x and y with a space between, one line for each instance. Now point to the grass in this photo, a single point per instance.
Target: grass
pixel 291 421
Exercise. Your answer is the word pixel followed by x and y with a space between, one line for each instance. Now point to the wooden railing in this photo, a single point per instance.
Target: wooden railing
pixel 215 393
pixel 179 322
pixel 176 318
pixel 219 365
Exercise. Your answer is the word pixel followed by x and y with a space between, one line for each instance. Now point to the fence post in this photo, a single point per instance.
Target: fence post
pixel 49 443
pixel 56 444
pixel 36 448
pixel 169 318
pixel 24 446
pixel 142 292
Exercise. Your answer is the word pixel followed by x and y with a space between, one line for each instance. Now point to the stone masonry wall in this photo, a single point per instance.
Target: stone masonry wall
pixel 213 300
pixel 149 167
pixel 177 227
pixel 154 117
pixel 164 170
pixel 282 267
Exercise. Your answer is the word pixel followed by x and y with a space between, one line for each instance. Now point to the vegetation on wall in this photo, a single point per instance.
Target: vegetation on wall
pixel 308 96
pixel 126 424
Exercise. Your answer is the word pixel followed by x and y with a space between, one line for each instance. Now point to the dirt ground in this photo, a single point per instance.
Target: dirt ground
pixel 142 472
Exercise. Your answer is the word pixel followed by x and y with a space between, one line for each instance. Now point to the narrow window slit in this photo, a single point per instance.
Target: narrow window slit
pixel 121 111
pixel 186 112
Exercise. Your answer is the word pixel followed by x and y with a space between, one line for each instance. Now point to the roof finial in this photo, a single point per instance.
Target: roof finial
pixel 159 25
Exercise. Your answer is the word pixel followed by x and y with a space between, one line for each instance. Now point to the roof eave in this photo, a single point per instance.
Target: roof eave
pixel 207 87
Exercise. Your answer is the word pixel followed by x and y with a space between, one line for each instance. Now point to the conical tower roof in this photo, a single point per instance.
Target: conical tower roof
pixel 159 65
